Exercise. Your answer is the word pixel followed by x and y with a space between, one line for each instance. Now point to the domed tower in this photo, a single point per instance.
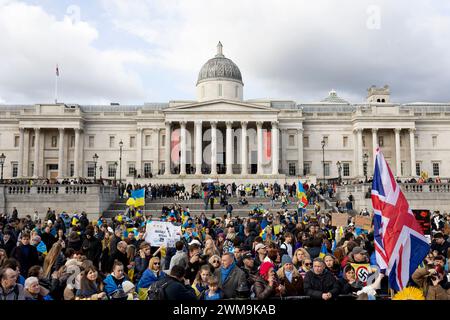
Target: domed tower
pixel 219 78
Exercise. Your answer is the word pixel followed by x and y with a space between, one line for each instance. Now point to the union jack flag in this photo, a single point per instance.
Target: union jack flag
pixel 400 245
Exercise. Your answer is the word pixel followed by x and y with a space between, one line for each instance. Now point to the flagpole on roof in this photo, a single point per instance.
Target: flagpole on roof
pixel 56 84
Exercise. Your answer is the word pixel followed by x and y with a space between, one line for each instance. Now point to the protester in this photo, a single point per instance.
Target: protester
pixel 319 283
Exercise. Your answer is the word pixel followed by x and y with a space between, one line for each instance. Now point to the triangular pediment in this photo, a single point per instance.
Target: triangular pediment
pixel 220 106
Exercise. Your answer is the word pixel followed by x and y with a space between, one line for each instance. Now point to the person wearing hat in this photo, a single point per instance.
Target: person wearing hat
pixel 289 277
pixel 249 268
pixel 267 284
pixel 92 247
pixel 261 253
pixel 358 255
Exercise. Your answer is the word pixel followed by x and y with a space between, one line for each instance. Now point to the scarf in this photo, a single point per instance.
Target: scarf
pixel 288 275
pixel 226 272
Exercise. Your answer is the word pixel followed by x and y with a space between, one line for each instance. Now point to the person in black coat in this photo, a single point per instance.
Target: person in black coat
pixel 48 238
pixel 176 289
pixel 25 254
pixel 92 247
pixel 8 243
pixel 319 283
pixel 121 255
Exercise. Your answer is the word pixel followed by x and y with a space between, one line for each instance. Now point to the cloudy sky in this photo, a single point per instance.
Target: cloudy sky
pixel 136 51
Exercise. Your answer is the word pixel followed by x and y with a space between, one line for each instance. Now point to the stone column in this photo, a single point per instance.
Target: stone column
pixel 412 148
pixel 198 147
pixel 229 148
pixel 259 135
pixel 26 154
pixel 300 151
pixel 284 148
pixel 275 150
pixel 360 152
pixel 374 144
pixel 61 154
pixel 397 152
pixel 156 166
pixel 167 149
pixel 20 162
pixel 214 147
pixel 76 154
pixel 139 152
pixel 37 139
pixel 183 148
pixel 244 155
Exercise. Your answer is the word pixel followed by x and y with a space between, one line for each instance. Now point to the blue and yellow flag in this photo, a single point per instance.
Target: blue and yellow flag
pixel 41 247
pixel 139 197
pixel 301 195
pixel 323 251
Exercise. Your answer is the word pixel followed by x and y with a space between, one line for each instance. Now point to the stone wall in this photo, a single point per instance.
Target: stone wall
pixel 419 196
pixel 93 199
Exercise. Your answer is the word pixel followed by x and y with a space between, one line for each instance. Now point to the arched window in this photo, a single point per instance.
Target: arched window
pixel 382 100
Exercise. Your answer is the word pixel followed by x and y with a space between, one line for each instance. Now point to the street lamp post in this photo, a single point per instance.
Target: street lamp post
pixel 323 159
pixel 115 172
pixel 365 160
pixel 339 167
pixel 95 158
pixel 2 162
pixel 120 161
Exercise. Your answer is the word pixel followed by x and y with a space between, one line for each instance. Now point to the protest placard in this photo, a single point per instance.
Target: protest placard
pixel 160 232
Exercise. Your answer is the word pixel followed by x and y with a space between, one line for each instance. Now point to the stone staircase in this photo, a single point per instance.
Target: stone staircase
pixel 197 206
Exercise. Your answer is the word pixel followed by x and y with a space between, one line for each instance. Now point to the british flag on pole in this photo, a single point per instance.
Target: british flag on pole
pixel 400 245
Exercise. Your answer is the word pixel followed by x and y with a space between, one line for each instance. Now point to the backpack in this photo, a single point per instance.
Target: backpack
pixel 156 291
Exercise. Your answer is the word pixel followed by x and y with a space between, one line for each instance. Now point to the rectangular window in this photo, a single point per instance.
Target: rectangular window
pixel 435 168
pixel 147 169
pixel 381 141
pixel 111 170
pixel 306 168
pixel 291 141
pixel 163 140
pixel 16 141
pixel 434 140
pixel 346 169
pixel 292 169
pixel 345 141
pixel 32 141
pixel 325 139
pixel 327 169
pixel 91 142
pixel 132 141
pixel 148 140
pixel 131 169
pixel 112 139
pixel 306 142
pixel 15 169
pixel 90 169
pixel 54 141
pixel 71 170
pixel 416 141
pixel 72 141
pixel 418 168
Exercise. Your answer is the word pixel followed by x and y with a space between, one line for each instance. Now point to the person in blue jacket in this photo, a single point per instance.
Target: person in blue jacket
pixel 151 275
pixel 113 282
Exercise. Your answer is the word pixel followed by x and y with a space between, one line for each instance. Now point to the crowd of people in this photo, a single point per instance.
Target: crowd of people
pixel 266 255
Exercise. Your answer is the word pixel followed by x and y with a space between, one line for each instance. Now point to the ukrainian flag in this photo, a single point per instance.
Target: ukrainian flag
pixel 301 195
pixel 323 251
pixel 139 197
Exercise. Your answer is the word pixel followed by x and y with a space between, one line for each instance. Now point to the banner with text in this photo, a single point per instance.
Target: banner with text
pixel 162 233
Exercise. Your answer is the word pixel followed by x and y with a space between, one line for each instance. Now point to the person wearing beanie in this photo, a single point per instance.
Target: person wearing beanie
pixel 267 285
pixel 92 247
pixel 289 277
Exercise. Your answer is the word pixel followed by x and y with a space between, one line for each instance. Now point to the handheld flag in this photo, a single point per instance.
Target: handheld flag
pixel 323 251
pixel 301 195
pixel 400 245
pixel 139 197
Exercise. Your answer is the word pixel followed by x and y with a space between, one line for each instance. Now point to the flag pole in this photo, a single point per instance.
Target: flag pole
pixel 56 85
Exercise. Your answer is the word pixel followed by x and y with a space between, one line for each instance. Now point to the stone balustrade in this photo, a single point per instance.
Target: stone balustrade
pixel 406 187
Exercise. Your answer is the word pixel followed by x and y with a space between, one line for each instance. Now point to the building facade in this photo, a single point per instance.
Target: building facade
pixel 220 135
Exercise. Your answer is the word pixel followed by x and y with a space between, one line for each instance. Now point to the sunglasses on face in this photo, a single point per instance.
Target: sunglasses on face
pixel 216 261
pixel 156 263
pixel 308 264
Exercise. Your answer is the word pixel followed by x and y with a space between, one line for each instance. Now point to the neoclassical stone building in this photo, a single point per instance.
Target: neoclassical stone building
pixel 222 136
